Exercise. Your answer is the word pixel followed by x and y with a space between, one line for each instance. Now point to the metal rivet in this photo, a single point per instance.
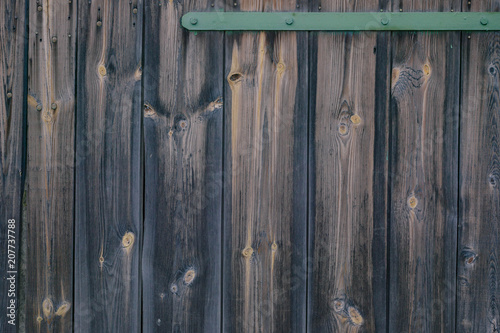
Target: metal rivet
pixel 53 106
pixel 99 23
pixel 235 4
pixel 384 21
pixel 319 7
pixel 54 39
pixel 381 10
pixel 212 5
pixel 484 21
pixel 69 35
pixel 400 9
pixel 468 37
pixel 289 21
pixel 452 10
pixel 134 11
pixel 9 95
pixel 39 8
pixel 193 21
pixel 39 107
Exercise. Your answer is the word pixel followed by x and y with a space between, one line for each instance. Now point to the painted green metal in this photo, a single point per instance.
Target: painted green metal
pixel 375 21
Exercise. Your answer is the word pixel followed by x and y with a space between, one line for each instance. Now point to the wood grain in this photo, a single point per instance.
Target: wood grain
pixel 479 205
pixel 183 102
pixel 12 126
pixel 265 177
pixel 423 170
pixel 348 177
pixel 108 228
pixel 50 166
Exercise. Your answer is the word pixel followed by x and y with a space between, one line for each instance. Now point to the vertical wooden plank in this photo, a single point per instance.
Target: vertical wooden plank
pixel 12 105
pixel 108 167
pixel 479 205
pixel 50 166
pixel 183 171
pixel 265 177
pixel 424 176
pixel 348 176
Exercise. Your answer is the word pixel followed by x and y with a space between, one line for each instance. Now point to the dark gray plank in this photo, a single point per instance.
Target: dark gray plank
pixel 348 177
pixel 424 176
pixel 265 177
pixel 479 205
pixel 183 172
pixel 50 167
pixel 12 124
pixel 108 167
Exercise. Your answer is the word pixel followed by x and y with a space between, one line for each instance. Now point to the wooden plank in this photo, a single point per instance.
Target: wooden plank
pixel 265 177
pixel 479 205
pixel 12 123
pixel 108 167
pixel 50 167
pixel 348 177
pixel 424 176
pixel 183 99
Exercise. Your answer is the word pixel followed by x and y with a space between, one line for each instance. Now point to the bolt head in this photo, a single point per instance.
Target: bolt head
pixel 134 11
pixel 193 21
pixel 99 23
pixel 39 107
pixel 54 39
pixel 484 21
pixel 9 95
pixel 39 8
pixel 384 21
pixel 289 21
pixel 53 106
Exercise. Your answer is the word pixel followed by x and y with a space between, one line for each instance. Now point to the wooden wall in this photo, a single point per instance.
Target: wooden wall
pixel 162 180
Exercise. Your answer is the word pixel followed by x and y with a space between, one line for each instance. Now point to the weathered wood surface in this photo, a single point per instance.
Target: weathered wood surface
pixel 265 177
pixel 348 177
pixel 12 123
pixel 423 176
pixel 479 212
pixel 108 167
pixel 183 98
pixel 50 166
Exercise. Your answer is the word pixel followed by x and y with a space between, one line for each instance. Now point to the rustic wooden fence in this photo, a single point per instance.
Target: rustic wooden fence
pixel 155 179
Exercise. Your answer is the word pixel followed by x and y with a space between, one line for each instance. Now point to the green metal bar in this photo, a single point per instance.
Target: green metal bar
pixel 375 21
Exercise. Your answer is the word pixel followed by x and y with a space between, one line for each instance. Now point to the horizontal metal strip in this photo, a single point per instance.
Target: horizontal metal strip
pixel 375 21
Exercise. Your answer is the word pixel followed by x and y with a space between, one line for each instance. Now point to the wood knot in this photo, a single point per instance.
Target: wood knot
pixel 173 289
pixel 468 256
pixel 189 276
pixel 39 319
pixel 354 316
pixel 395 76
pixel 101 260
pixel 492 70
pixel 170 133
pixel 234 77
pixel 338 305
pixel 280 67
pixel 47 308
pixel 128 239
pixel 47 117
pixel 63 309
pixel 355 119
pixel 343 129
pixel 412 202
pixel 149 112
pixel 274 247
pixel 102 70
pixel 427 69
pixel 183 124
pixel 247 252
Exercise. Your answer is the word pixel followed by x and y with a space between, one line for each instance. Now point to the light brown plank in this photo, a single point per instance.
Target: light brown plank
pixel 348 177
pixel 265 177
